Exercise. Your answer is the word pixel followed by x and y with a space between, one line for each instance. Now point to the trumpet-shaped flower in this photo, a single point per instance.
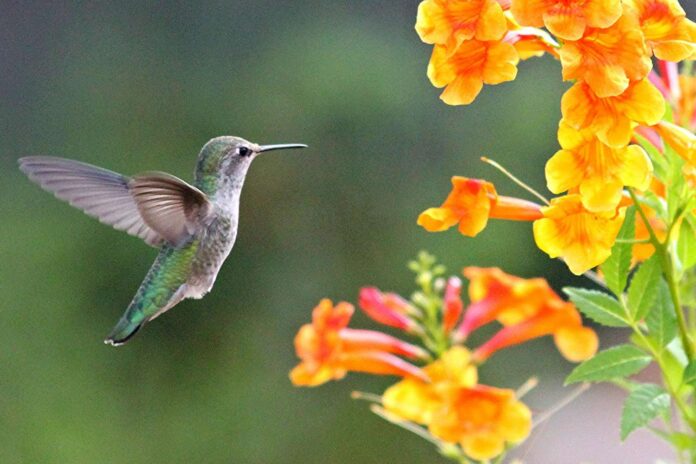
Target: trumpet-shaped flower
pixel 598 170
pixel 454 21
pixel 558 318
pixel 452 305
pixel 495 295
pixel 328 349
pixel 471 203
pixel 483 420
pixel 463 70
pixel 668 32
pixel 582 238
pixel 456 409
pixel 567 19
pixel 388 309
pixel 607 59
pixel 611 118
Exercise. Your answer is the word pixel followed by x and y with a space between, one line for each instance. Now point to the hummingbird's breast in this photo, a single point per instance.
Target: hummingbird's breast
pixel 215 245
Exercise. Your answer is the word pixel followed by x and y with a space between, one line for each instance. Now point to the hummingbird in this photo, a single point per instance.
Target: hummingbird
pixel 194 226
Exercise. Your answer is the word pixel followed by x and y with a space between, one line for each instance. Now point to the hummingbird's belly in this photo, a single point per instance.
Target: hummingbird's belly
pixel 214 248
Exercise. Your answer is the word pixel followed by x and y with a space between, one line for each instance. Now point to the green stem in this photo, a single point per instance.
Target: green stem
pixel 668 270
pixel 678 400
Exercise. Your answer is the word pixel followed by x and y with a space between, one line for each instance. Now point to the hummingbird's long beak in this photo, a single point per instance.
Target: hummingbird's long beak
pixel 281 146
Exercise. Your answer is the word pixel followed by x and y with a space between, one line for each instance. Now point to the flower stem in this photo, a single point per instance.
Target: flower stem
pixel 513 178
pixel 668 270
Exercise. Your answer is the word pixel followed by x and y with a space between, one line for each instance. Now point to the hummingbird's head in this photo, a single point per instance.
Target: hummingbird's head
pixel 229 156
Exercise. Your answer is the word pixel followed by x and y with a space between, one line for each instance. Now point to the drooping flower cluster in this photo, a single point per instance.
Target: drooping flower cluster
pixel 606 49
pixel 440 389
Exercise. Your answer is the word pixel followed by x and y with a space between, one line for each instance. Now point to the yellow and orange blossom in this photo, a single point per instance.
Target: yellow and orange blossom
pixel 463 70
pixel 668 32
pixel 496 295
pixel 328 349
pixel 599 171
pixel 456 409
pixel 582 238
pixel 556 317
pixel 611 118
pixel 567 19
pixel 607 59
pixel 453 21
pixel 471 203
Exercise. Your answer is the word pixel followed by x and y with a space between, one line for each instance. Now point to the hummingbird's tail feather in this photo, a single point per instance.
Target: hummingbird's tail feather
pixel 123 332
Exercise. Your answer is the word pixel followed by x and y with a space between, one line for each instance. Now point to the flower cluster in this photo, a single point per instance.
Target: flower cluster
pixel 440 389
pixel 605 48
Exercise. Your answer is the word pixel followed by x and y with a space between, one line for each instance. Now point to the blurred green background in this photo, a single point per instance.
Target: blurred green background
pixel 136 86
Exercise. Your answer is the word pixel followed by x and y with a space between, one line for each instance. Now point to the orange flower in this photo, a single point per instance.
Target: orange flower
pixel 558 318
pixel 328 350
pixel 610 118
pixel 495 295
pixel 463 70
pixel 598 170
pixel 454 21
pixel 471 203
pixel 667 31
pixel 417 401
pixel 388 309
pixel 452 305
pixel 607 59
pixel 567 19
pixel 582 238
pixel 481 419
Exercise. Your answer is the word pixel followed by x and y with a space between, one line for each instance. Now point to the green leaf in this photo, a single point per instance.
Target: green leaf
pixel 661 321
pixel 616 267
pixel 686 246
pixel 619 361
pixel 643 404
pixel 690 374
pixel 643 288
pixel 658 159
pixel 598 306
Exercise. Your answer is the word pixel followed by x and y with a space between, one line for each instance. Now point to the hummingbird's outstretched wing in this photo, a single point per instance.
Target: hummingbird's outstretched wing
pixel 154 207
pixel 172 207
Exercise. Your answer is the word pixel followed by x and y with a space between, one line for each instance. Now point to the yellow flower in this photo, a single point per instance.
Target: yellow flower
pixel 598 170
pixel 582 238
pixel 607 59
pixel 456 409
pixel 471 203
pixel 482 420
pixel 567 19
pixel 610 118
pixel 454 21
pixel 667 31
pixel 463 70
pixel 417 401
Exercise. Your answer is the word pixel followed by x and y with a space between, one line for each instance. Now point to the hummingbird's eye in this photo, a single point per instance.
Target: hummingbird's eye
pixel 244 151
